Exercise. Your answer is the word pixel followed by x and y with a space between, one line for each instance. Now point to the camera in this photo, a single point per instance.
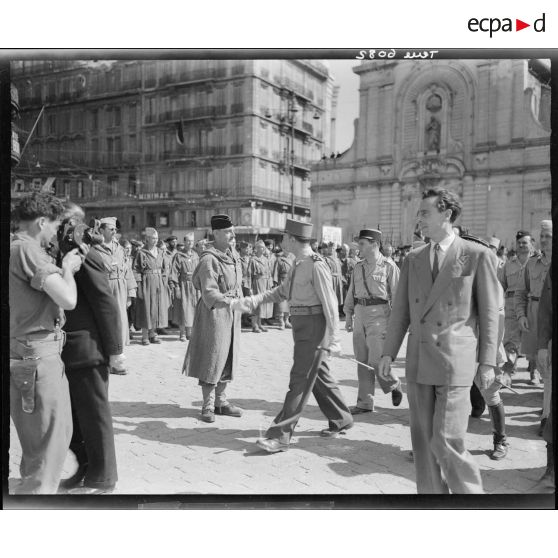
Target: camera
pixel 72 233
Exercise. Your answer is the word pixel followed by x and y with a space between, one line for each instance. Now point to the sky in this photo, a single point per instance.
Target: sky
pixel 347 106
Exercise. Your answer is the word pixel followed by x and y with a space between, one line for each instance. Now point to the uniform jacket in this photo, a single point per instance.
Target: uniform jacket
pixel 216 329
pixel 453 323
pixel 93 326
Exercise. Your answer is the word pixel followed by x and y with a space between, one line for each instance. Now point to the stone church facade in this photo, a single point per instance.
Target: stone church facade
pixel 478 127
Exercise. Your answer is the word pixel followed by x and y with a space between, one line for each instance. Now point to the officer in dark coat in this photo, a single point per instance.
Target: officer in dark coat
pixel 93 345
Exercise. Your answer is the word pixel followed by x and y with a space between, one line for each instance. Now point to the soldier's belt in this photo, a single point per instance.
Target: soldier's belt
pixel 370 301
pixel 510 293
pixel 152 272
pixel 535 298
pixel 306 310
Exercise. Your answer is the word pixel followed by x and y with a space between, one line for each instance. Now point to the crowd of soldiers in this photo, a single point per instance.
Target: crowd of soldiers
pixel 468 322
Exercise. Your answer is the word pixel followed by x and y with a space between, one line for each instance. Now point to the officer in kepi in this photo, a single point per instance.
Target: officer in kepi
pixel 315 322
pixel 367 309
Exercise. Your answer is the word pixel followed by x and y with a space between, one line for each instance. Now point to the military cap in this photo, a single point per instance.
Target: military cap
pixel 370 234
pixel 300 229
pixel 546 225
pixel 110 221
pixel 172 237
pixel 221 221
pixel 521 234
pixel 494 242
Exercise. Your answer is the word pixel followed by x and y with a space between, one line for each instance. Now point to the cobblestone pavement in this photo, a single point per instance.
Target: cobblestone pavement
pixel 163 448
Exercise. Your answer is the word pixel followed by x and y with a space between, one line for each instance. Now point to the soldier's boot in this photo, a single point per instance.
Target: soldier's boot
pixel 535 377
pixel 478 404
pixel 546 484
pixel 498 419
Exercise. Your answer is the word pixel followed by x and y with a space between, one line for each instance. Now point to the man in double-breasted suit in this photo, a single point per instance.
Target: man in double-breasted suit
pixel 448 299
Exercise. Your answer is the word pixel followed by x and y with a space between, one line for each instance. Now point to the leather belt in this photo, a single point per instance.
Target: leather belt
pixel 152 272
pixel 510 293
pixel 306 310
pixel 370 301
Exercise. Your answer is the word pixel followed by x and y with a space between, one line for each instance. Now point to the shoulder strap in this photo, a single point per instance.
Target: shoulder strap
pixel 365 284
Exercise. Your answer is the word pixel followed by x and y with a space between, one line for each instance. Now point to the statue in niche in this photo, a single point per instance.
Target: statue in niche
pixel 433 129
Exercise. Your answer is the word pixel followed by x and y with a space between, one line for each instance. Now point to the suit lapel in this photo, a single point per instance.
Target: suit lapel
pixel 450 268
pixel 424 273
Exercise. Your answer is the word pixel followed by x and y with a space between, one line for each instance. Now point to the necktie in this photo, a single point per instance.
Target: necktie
pixel 435 268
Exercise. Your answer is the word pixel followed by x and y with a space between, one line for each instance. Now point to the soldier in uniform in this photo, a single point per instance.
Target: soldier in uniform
pixel 336 274
pixel 152 305
pixel 315 321
pixel 245 255
pixel 509 275
pixel 260 274
pixel 371 291
pixel 183 265
pixel 283 264
pixel 121 280
pixel 39 292
pixel 212 355
pixel 527 297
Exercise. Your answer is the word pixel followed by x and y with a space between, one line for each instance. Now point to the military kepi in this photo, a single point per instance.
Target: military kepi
pixel 300 229
pixel 521 234
pixel 370 234
pixel 219 222
pixel 110 221
pixel 546 225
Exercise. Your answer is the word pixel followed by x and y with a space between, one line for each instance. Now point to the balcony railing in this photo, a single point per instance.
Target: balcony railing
pixel 281 197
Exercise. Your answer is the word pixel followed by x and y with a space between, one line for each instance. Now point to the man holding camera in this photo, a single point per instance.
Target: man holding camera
pixel 94 344
pixel 39 293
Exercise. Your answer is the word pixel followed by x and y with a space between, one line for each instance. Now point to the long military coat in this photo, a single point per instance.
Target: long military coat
pixel 185 294
pixel 152 304
pixel 212 353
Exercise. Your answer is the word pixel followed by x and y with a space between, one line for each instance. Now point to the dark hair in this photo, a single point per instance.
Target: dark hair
pixel 269 242
pixel 446 200
pixel 39 204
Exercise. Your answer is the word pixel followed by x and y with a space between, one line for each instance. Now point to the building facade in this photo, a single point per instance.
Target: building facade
pixel 168 143
pixel 478 127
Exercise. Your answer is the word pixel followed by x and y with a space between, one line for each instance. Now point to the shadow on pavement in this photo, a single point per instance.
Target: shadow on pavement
pixel 140 409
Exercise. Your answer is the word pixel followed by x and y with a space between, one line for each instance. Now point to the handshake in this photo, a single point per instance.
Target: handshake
pixel 245 305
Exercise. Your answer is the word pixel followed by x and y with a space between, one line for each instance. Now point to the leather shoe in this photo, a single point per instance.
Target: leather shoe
pixel 334 433
pixel 154 340
pixel 359 410
pixel 162 331
pixel 272 445
pixel 500 450
pixel 208 415
pixel 229 410
pixel 145 341
pixel 396 396
pixel 75 479
pixel 119 372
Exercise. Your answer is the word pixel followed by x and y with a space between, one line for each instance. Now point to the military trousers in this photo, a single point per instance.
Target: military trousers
pixel 308 332
pixel 370 326
pixel 40 409
pixel 439 416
